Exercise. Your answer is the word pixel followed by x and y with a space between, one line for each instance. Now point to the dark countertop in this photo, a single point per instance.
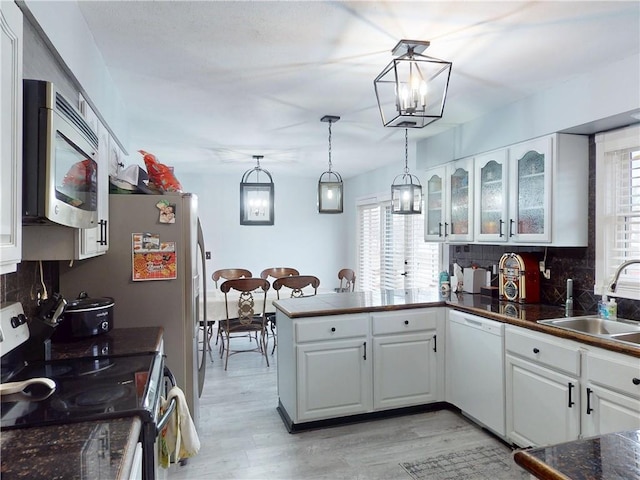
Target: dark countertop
pixel 358 302
pixel 606 457
pixel 523 315
pixel 73 451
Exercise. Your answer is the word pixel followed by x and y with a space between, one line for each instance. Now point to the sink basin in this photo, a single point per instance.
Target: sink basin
pixel 594 325
pixel 628 337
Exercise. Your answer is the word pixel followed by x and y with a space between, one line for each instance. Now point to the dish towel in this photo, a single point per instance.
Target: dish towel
pixel 178 439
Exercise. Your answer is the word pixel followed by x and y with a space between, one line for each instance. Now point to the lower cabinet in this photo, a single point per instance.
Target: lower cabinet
pixel 341 365
pixel 611 401
pixel 558 390
pixel 404 358
pixel 334 379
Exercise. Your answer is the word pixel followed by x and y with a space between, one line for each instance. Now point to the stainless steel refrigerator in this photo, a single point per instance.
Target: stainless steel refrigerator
pixel 175 304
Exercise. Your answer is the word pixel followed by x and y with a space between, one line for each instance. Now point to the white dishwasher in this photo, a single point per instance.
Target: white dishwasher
pixel 475 369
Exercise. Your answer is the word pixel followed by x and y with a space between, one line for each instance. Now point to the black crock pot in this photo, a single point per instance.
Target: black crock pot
pixel 85 317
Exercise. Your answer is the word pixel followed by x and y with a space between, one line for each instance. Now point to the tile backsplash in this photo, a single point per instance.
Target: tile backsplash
pixel 25 285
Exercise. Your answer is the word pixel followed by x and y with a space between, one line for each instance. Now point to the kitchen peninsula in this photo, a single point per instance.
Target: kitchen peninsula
pixel 357 356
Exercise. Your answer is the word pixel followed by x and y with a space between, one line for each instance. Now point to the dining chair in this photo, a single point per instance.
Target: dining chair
pixel 224 274
pixel 244 313
pixel 275 273
pixel 347 280
pixel 296 284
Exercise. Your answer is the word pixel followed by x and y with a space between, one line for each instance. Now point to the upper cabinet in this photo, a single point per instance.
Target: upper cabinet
pixel 449 202
pixel 534 192
pixel 10 136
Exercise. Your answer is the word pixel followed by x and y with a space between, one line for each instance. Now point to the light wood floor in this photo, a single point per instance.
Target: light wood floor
pixel 243 437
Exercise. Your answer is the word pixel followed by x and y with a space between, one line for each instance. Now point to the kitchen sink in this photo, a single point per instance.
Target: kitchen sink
pixel 593 325
pixel 627 337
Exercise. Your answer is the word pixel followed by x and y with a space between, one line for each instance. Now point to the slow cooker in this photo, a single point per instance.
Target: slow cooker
pixel 85 317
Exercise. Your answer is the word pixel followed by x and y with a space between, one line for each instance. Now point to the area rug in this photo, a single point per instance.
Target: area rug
pixel 490 462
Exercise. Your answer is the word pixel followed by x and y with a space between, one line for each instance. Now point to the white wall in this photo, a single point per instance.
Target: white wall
pixel 300 238
pixel 585 104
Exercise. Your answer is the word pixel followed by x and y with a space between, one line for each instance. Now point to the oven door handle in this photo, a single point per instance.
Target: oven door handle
pixel 172 404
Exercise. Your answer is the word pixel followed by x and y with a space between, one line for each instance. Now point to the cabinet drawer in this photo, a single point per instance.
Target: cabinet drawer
pixel 339 326
pixel 615 371
pixel 543 349
pixel 404 321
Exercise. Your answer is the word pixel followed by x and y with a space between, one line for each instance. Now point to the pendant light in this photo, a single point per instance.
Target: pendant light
pixel 330 183
pixel 406 191
pixel 413 87
pixel 256 197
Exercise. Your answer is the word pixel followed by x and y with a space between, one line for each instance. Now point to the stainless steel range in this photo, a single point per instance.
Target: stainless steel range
pixel 84 389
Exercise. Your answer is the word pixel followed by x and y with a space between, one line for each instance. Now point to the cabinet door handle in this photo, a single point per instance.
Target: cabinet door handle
pixel 501 234
pixel 435 343
pixel 333 329
pixel 511 222
pixel 364 356
pixel 406 322
pixel 536 350
pixel 589 409
pixel 445 229
pixel 440 229
pixel 636 381
pixel 571 402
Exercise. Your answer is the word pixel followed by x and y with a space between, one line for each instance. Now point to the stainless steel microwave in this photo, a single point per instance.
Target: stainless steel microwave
pixel 60 160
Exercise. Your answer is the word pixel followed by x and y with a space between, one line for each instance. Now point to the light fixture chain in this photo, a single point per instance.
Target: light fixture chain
pixel 330 145
pixel 406 150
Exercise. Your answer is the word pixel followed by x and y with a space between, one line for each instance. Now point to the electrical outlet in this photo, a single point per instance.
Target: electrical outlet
pixel 207 255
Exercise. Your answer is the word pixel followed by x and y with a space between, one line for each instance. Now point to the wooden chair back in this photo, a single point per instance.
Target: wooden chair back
pixel 252 294
pixel 278 272
pixel 296 283
pixel 230 274
pixel 347 280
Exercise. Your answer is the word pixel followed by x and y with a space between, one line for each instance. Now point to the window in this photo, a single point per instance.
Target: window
pixel 392 253
pixel 618 210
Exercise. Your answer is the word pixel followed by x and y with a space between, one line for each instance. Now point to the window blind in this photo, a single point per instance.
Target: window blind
pixel 392 251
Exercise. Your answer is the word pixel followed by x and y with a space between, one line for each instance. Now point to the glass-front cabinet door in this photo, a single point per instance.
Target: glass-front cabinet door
pixel 530 195
pixel 459 211
pixel 434 200
pixel 449 202
pixel 491 217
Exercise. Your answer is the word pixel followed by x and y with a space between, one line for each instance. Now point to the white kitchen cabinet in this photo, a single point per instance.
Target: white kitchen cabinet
pixel 340 365
pixel 534 192
pixel 10 136
pixel 542 382
pixel 611 397
pixel 404 358
pixel 449 202
pixel 333 373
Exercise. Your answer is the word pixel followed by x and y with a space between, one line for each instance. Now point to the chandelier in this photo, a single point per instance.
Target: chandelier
pixel 412 89
pixel 330 183
pixel 256 197
pixel 406 191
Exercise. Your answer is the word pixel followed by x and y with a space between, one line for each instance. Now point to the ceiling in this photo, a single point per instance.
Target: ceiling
pixel 209 84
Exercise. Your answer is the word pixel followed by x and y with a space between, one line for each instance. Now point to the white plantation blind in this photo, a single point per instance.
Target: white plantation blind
pixel 392 253
pixel 618 212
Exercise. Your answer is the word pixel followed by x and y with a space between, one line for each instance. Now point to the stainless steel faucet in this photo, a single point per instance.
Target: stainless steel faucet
pixel 614 282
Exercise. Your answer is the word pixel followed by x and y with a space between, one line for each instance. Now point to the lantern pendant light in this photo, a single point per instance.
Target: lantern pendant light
pixel 413 87
pixel 330 186
pixel 256 197
pixel 406 191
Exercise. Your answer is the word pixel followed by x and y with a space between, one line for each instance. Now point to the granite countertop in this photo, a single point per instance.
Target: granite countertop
pixel 358 302
pixel 610 456
pixel 87 450
pixel 77 450
pixel 523 315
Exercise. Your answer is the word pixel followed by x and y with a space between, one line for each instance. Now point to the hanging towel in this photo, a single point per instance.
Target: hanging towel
pixel 178 439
